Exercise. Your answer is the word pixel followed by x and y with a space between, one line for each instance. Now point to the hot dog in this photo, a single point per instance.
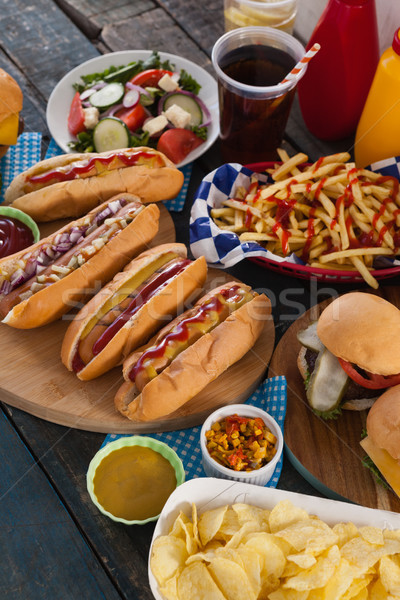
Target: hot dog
pixel 41 283
pixel 131 308
pixel 191 351
pixel 72 184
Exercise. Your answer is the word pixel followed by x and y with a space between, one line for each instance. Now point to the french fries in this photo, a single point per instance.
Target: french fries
pixel 330 214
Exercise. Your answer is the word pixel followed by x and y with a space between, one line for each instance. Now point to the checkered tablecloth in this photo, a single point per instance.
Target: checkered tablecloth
pixel 27 152
pixel 223 248
pixel 270 396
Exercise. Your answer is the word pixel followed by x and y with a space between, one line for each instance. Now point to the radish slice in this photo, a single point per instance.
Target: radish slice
pixel 131 98
pixel 138 88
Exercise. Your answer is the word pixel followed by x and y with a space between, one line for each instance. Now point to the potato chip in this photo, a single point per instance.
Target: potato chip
pixel 304 560
pixel 271 556
pixel 377 591
pixel 168 554
pixel 196 582
pixel 169 590
pixel 311 534
pixel 229 526
pixel 358 588
pixel 345 532
pixel 231 579
pixel 252 565
pixel 364 555
pixel 284 514
pixel 389 570
pixel 288 595
pixel 316 576
pixel 246 529
pixel 341 580
pixel 210 523
pixel 246 512
pixel 194 521
pixel 183 528
pixel 373 535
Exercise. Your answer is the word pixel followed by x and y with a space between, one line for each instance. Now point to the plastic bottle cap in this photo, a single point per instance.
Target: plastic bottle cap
pixel 396 42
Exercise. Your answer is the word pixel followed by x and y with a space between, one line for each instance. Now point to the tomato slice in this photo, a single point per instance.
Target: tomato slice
pixel 373 381
pixel 150 77
pixel 76 117
pixel 178 143
pixel 132 117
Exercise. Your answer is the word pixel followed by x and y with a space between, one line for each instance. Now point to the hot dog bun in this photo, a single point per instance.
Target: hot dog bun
pixel 89 179
pixel 56 298
pixel 152 314
pixel 196 366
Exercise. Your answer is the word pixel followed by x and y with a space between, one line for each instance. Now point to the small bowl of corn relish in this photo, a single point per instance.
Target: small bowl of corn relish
pixel 241 443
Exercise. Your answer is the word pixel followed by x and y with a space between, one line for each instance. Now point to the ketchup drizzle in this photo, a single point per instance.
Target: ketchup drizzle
pixel 181 332
pixel 80 169
pixel 137 302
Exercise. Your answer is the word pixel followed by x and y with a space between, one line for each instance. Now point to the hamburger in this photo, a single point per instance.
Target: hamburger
pixel 351 354
pixel 382 443
pixel 10 106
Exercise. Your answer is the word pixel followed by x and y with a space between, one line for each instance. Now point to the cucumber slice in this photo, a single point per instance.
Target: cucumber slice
pixel 123 74
pixel 309 338
pixel 187 103
pixel 108 95
pixel 328 383
pixel 110 134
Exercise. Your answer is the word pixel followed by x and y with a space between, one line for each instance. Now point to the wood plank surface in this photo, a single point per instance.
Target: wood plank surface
pixel 48 390
pixel 64 566
pixel 327 452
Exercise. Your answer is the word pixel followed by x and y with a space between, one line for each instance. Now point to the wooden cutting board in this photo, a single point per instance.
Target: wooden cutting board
pixel 33 378
pixel 327 453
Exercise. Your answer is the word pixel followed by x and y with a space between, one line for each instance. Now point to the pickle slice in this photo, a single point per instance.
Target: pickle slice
pixel 309 338
pixel 328 383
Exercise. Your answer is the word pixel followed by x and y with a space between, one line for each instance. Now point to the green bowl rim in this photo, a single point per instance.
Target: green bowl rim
pixel 15 213
pixel 134 440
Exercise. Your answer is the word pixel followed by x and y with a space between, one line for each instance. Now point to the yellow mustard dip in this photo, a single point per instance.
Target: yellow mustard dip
pixel 134 482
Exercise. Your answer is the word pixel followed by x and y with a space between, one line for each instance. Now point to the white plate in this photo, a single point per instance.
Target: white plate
pixel 61 97
pixel 209 493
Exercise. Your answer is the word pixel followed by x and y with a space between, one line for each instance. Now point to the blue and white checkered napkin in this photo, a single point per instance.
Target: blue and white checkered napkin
pixel 270 396
pixel 175 205
pixel 20 157
pixel 223 248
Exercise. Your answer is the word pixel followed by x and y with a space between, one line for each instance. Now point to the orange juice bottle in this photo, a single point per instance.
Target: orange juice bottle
pixel 378 131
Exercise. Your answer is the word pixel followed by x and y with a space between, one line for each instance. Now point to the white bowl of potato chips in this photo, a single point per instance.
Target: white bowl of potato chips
pixel 260 462
pixel 227 540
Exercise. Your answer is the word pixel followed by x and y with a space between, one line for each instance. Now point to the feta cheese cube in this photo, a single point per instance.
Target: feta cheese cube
pixel 167 83
pixel 156 125
pixel 178 116
pixel 91 117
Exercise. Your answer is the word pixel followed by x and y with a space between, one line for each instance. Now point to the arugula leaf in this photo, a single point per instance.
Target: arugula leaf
pixel 329 414
pixel 201 132
pixel 84 142
pixel 188 83
pixel 369 464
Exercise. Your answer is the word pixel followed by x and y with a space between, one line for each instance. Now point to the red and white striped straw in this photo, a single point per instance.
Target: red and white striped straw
pixel 301 65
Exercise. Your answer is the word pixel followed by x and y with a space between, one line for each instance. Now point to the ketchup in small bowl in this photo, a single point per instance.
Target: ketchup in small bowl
pixel 17 231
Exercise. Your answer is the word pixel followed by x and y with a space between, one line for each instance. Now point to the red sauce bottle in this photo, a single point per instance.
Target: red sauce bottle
pixel 335 86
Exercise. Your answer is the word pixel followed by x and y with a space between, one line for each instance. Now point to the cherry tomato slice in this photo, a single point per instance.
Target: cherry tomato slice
pixel 150 77
pixel 132 117
pixel 76 117
pixel 178 143
pixel 373 382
